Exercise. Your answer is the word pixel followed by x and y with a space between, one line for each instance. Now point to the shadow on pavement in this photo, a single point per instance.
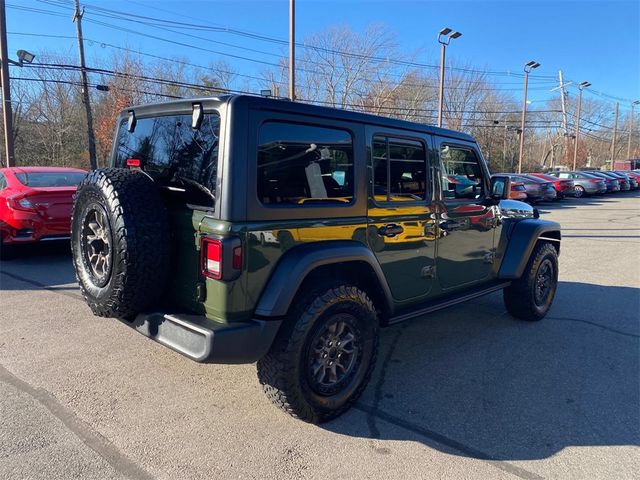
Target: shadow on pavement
pixel 26 265
pixel 490 387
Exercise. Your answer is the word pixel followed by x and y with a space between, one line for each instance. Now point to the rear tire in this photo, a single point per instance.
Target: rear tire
pixel 120 242
pixel 530 296
pixel 579 191
pixel 338 324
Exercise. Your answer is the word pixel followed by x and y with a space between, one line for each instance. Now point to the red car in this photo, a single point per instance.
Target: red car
pixel 564 187
pixel 36 202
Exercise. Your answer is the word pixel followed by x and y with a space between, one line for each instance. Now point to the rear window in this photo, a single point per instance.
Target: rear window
pixel 174 154
pixel 50 179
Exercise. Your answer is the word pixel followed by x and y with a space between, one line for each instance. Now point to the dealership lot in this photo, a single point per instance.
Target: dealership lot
pixel 466 393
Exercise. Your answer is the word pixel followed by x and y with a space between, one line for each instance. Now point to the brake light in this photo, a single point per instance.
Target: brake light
pixel 133 162
pixel 20 202
pixel 211 258
pixel 221 258
pixel 594 180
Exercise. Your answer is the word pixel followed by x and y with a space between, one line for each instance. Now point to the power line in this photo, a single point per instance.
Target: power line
pixel 126 16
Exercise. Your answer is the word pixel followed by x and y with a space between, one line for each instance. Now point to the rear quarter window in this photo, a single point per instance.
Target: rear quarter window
pixel 304 165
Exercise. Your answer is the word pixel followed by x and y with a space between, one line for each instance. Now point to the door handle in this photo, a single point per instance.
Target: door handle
pixel 390 230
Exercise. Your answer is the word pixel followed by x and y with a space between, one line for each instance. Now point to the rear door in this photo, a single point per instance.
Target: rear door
pixel 465 251
pixel 400 213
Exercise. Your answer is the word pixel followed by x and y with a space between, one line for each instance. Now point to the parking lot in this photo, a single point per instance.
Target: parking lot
pixel 467 392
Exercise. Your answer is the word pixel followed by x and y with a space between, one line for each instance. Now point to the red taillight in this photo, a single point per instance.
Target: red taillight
pixel 133 162
pixel 211 258
pixel 594 180
pixel 221 258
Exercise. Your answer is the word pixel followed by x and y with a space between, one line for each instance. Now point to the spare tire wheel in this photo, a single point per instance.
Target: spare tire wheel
pixel 120 242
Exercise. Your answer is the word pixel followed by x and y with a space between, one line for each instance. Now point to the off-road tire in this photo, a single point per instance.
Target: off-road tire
pixel 139 242
pixel 283 370
pixel 520 296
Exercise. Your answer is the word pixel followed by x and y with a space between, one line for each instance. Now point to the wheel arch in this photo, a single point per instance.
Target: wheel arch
pixel 522 240
pixel 308 264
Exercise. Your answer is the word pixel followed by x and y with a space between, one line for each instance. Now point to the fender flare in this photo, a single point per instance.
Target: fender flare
pixel 522 240
pixel 300 261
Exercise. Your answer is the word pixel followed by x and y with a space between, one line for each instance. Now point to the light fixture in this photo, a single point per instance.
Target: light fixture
pixel 446 34
pixel 25 57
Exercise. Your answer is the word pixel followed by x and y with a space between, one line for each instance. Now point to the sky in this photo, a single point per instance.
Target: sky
pixel 597 41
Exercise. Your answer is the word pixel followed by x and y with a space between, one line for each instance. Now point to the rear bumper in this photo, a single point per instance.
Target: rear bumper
pixel 206 341
pixel 30 228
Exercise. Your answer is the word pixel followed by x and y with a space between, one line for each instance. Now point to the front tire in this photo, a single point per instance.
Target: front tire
pixel 324 354
pixel 530 297
pixel 579 191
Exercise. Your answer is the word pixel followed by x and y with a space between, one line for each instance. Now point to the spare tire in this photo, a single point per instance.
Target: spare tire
pixel 120 242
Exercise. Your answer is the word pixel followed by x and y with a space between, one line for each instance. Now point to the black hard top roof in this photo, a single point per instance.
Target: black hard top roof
pixel 185 105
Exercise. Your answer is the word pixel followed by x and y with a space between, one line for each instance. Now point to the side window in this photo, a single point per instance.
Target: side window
pixel 462 173
pixel 304 164
pixel 3 182
pixel 399 169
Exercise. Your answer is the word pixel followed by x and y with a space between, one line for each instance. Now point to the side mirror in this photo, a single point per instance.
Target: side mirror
pixel 500 187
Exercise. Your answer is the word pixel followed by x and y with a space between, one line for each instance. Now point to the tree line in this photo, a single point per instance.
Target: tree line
pixel 366 72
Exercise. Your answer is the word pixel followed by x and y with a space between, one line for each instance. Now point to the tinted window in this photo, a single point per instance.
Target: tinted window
pixel 462 173
pixel 175 154
pixel 50 179
pixel 399 169
pixel 303 164
pixel 3 182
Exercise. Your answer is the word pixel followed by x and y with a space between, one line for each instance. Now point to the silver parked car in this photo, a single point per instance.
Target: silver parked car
pixel 585 184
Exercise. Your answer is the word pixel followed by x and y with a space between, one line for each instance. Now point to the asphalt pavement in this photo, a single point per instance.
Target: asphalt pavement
pixel 465 393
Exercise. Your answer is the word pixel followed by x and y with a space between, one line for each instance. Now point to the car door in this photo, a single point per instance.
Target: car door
pixel 401 222
pixel 466 226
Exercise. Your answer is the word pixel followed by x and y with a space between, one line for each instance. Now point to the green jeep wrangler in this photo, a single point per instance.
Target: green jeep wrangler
pixel 242 229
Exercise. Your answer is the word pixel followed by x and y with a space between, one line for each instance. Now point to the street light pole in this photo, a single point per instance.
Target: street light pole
pixel 292 50
pixel 581 86
pixel 527 68
pixel 444 37
pixel 633 104
pixel 6 90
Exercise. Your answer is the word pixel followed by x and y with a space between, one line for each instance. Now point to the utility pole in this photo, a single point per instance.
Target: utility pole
pixel 633 104
pixel 581 86
pixel 77 18
pixel 613 139
pixel 563 98
pixel 6 90
pixel 292 50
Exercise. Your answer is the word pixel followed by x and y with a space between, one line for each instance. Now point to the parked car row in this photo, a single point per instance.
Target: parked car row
pixel 36 202
pixel 544 187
